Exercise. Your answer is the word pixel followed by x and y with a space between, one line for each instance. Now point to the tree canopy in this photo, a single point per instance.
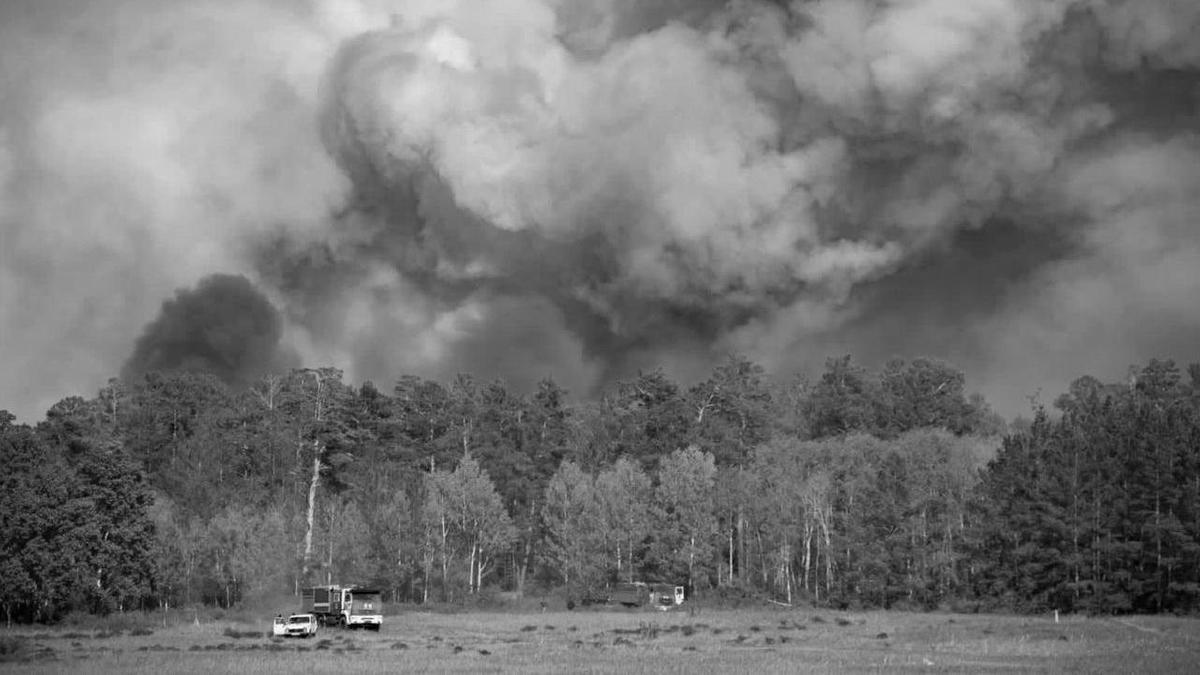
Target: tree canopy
pixel 855 488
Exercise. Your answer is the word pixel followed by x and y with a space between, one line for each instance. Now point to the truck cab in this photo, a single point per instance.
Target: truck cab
pixel 665 596
pixel 362 608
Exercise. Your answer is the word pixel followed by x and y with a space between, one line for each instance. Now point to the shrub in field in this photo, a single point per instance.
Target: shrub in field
pixel 113 624
pixel 235 633
pixel 19 650
pixel 13 648
pixel 736 596
pixel 240 615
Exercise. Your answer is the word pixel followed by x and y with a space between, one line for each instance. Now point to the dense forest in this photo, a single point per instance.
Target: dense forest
pixel 893 488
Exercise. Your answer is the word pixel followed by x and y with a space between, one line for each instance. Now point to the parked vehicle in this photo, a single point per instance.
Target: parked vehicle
pixel 666 596
pixel 345 606
pixel 631 594
pixel 279 626
pixel 301 625
pixel 639 594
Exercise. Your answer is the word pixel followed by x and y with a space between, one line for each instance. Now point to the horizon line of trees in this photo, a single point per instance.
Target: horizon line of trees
pixel 894 488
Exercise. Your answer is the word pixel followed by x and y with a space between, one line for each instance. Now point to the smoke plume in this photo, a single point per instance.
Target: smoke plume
pixel 224 326
pixel 536 187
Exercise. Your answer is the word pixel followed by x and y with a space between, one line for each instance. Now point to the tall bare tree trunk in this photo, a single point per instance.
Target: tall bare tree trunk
pixel 807 562
pixel 742 549
pixel 425 590
pixel 732 529
pixel 471 568
pixel 629 555
pixel 527 553
pixel 312 507
pixel 445 531
pixel 691 562
pixel 618 557
pixel 312 485
pixel 787 569
pixel 480 565
pixel 828 554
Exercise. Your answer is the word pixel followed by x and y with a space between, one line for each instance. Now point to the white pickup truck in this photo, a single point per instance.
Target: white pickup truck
pixel 300 625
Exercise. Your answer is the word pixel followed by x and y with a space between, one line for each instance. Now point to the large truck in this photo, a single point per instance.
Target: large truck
pixel 345 606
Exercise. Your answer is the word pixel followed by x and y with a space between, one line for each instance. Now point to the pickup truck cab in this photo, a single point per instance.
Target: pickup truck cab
pixel 666 596
pixel 301 625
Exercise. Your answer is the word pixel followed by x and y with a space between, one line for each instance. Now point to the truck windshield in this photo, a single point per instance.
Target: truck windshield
pixel 366 602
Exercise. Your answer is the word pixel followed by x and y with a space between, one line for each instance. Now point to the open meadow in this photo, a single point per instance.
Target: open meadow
pixel 612 641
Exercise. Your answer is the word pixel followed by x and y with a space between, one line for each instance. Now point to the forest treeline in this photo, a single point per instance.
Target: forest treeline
pixel 853 489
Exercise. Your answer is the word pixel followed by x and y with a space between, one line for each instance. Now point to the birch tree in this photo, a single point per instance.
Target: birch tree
pixel 624 494
pixel 465 514
pixel 572 515
pixel 437 519
pixel 483 522
pixel 684 505
pixel 323 435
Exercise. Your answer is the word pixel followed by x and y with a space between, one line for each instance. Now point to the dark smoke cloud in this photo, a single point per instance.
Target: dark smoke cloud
pixel 224 327
pixel 535 187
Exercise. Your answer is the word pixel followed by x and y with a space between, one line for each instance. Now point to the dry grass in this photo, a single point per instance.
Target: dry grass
pixel 767 640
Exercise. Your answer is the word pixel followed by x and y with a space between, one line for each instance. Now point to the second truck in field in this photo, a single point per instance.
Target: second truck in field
pixel 345 606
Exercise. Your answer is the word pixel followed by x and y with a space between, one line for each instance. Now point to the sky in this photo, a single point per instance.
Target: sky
pixel 531 188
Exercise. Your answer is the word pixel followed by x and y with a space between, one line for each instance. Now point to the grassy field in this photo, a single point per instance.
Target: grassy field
pixel 767 640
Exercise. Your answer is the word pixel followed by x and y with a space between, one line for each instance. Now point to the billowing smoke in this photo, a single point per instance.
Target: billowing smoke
pixel 535 187
pixel 224 326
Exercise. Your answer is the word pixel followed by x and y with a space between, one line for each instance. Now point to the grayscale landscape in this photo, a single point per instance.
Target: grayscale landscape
pixel 599 335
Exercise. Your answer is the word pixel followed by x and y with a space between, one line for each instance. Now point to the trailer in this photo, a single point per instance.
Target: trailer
pixel 631 594
pixel 640 594
pixel 345 606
